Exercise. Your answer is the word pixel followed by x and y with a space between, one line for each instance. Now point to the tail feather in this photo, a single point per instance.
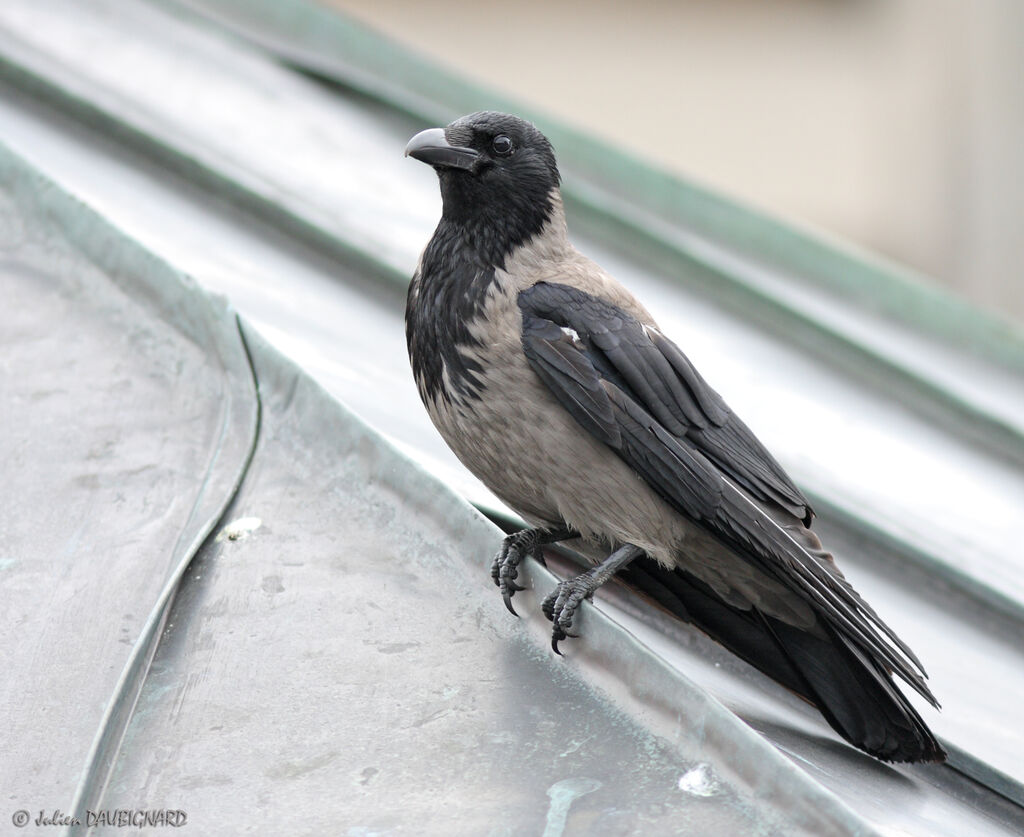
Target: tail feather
pixel 857 697
pixel 854 693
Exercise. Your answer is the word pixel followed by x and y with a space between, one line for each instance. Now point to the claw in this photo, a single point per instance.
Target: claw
pixel 508 589
pixel 560 607
pixel 506 597
pixel 557 635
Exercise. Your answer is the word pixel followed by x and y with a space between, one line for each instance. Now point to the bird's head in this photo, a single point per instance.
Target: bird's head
pixel 498 174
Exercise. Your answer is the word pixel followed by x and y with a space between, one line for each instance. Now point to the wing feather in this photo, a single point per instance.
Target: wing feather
pixel 615 380
pixel 655 372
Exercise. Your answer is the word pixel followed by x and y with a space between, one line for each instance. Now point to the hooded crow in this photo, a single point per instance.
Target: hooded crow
pixel 556 387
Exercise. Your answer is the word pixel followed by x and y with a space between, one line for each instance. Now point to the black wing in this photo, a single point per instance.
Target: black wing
pixel 635 390
pixel 652 370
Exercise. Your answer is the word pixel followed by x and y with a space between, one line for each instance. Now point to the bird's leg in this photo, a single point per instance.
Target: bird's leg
pixel 560 605
pixel 504 567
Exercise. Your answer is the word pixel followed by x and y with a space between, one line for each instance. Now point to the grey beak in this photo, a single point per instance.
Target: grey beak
pixel 432 148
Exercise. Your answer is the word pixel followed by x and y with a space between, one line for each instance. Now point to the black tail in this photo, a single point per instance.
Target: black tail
pixel 855 693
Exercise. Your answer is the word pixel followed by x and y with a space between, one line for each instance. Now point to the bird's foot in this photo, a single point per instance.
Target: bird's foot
pixel 505 566
pixel 561 604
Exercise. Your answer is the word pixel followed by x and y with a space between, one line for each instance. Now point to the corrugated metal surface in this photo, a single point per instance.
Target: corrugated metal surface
pixel 293 199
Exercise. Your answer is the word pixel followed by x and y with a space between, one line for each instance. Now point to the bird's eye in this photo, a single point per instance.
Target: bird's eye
pixel 501 145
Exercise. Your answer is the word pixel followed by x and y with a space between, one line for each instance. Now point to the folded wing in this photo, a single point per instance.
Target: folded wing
pixel 633 389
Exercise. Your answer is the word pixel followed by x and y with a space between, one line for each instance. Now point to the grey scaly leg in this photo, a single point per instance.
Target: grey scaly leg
pixel 560 605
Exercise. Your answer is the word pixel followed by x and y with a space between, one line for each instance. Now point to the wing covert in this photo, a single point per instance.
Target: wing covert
pixel 652 370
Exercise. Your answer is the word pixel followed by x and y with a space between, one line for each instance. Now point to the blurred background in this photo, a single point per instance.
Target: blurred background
pixel 897 125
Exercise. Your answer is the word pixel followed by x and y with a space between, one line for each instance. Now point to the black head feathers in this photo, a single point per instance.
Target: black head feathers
pixel 499 178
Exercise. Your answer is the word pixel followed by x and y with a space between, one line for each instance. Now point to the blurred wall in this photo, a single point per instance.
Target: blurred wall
pixel 898 124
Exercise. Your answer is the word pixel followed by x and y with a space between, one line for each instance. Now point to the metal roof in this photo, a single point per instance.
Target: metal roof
pixel 294 661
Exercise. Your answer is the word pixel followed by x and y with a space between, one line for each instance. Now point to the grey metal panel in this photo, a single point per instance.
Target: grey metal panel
pixel 126 427
pixel 389 691
pixel 330 659
pixel 794 724
pixel 327 324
